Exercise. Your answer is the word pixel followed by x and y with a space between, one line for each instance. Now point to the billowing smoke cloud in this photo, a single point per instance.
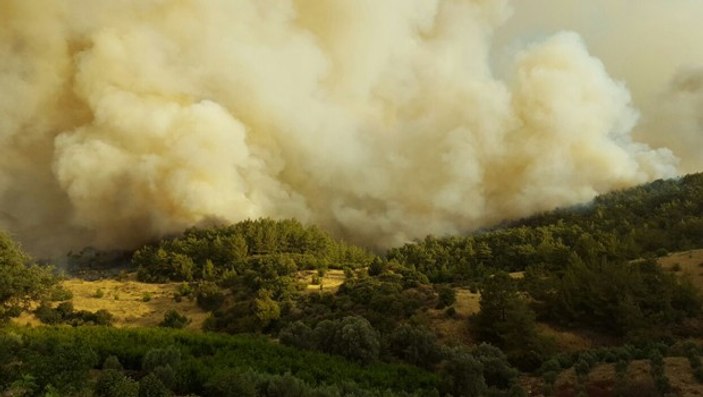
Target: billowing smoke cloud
pixel 382 121
pixel 652 45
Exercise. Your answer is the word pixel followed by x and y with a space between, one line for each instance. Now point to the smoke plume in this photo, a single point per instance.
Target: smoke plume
pixel 381 121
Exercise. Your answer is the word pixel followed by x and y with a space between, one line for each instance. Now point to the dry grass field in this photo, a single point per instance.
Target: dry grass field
pixel 133 304
pixel 687 263
pixel 328 283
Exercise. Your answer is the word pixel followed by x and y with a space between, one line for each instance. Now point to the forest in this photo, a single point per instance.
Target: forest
pixel 590 268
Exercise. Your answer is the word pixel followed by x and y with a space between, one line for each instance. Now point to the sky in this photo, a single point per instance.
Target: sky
pixel 382 121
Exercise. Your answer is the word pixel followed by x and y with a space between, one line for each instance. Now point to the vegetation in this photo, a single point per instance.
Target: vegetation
pixel 379 333
pixel 65 314
pixel 62 357
pixel 220 252
pixel 20 281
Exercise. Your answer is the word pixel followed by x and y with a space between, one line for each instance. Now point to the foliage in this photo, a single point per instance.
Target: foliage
pixel 207 254
pixel 173 319
pixel 152 386
pixel 59 293
pixel 64 313
pixel 194 357
pixel 415 345
pixel 446 296
pixel 665 215
pixel 463 374
pixel 112 383
pixel 209 296
pixel 20 281
pixel 351 337
pixel 506 321
pixel 617 297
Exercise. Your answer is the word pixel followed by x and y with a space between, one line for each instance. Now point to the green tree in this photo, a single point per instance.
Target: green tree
pixel 463 374
pixel 265 308
pixel 506 321
pixel 352 337
pixel 415 345
pixel 20 282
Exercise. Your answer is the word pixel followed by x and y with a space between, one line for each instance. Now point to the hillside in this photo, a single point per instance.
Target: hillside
pixel 586 301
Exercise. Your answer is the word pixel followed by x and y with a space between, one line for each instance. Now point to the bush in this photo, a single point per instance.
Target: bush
pixel 446 296
pixel 463 374
pixel 450 312
pixel 65 365
pixel 209 297
pixel 496 368
pixel 166 375
pixel 297 334
pixel 415 345
pixel 64 313
pixel 161 357
pixel 112 383
pixel 102 317
pixel 146 297
pixel 232 384
pixel 112 362
pixel 60 293
pixel 151 386
pixel 99 293
pixel 47 315
pixel 351 337
pixel 173 319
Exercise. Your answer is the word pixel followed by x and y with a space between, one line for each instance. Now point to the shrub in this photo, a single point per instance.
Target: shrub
pixel 415 345
pixel 209 296
pixel 297 334
pixel 166 375
pixel 232 384
pixel 173 319
pixel 496 368
pixel 102 317
pixel 151 386
pixel 60 293
pixel 351 337
pixel 112 383
pixel 161 357
pixel 446 296
pixel 463 374
pixel 450 312
pixel 99 293
pixel 47 314
pixel 184 289
pixel 112 362
pixel 146 297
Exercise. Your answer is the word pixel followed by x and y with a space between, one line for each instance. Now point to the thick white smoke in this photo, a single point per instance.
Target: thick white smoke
pixel 382 120
pixel 653 45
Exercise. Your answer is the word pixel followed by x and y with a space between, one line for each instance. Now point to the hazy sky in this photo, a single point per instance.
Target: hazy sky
pixel 380 120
